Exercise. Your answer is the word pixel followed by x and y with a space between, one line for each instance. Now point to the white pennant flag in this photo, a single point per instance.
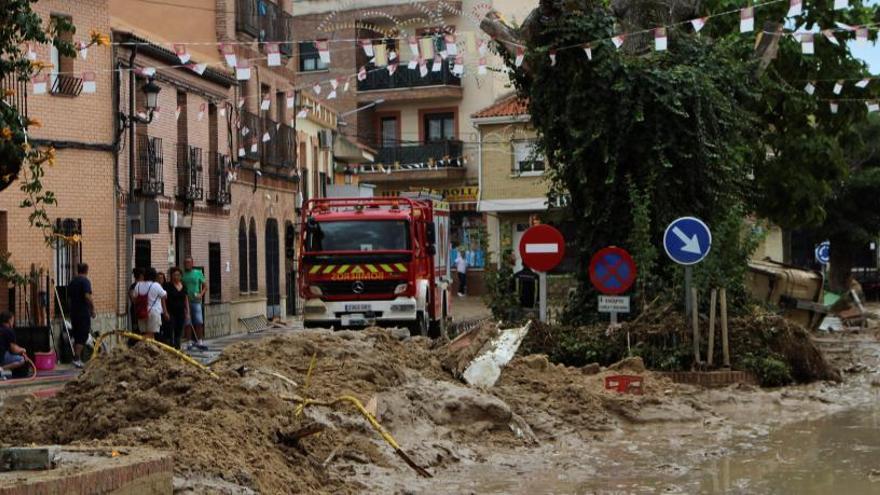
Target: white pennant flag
pixel 552 58
pixel 838 87
pixel 302 113
pixel 520 55
pixel 747 20
pixel 863 83
pixel 392 68
pixel 698 23
pixel 290 99
pixel 242 71
pixel 334 83
pixel 345 86
pixel 266 137
pixel 413 46
pixel 423 68
pixel 795 8
pixel 618 41
pixel 41 84
pixel 833 106
pixel 332 94
pixel 845 27
pixel 862 35
pixel 362 74
pixel 30 53
pixel 89 84
pixel 147 71
pixel 588 50
pixel 223 111
pixel 810 88
pixel 807 45
pixel 177 113
pixel 198 68
pixel 83 49
pixel 829 35
pixel 273 55
pixel 229 54
pixel 323 46
pixel 265 104
pixel 182 53
pixel 660 39
pixel 413 64
pixel 437 66
pixel 841 4
pixel 241 102
pixel 202 109
pixel 368 48
pixel 482 48
pixel 254 147
pixel 458 68
pixel 451 48
pixel 245 131
pixel 481 69
pixel 872 106
pixel 317 88
pixel 241 152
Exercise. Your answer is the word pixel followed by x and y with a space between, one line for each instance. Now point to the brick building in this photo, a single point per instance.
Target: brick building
pixel 79 124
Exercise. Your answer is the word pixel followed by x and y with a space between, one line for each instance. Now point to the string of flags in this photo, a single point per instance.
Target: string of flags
pixel 430 164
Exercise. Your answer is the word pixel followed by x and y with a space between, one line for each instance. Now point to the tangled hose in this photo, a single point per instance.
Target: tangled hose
pixel 161 346
pixel 31 378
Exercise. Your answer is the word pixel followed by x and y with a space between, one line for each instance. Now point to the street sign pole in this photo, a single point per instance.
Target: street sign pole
pixel 542 248
pixel 542 296
pixel 688 276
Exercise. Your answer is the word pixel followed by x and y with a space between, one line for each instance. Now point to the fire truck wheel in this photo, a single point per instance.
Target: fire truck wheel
pixel 420 326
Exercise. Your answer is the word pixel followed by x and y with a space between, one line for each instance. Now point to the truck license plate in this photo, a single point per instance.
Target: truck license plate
pixel 358 307
pixel 353 320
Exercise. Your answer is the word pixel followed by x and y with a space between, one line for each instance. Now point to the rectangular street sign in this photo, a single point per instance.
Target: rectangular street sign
pixel 614 304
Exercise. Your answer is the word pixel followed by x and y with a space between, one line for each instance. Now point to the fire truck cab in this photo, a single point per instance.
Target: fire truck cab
pixel 375 261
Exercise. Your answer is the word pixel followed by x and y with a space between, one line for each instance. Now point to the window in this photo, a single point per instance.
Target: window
pixel 309 60
pixel 526 159
pixel 252 256
pixel 323 184
pixel 376 235
pixel 439 126
pixel 215 286
pixel 388 129
pixel 61 64
pixel 142 256
pixel 304 184
pixel 68 249
pixel 242 256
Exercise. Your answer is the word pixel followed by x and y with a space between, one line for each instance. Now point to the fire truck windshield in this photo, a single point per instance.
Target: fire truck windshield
pixel 372 235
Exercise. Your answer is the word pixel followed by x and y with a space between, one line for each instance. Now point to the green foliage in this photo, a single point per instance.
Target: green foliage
pixel 500 296
pixel 771 370
pixel 642 247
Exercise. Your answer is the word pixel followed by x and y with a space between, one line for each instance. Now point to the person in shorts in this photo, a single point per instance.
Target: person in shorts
pixel 194 281
pixel 11 353
pixel 155 300
pixel 82 310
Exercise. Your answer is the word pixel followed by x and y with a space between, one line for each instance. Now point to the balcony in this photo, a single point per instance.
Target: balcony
pixel 64 85
pixel 251 122
pixel 189 173
pixel 148 173
pixel 438 160
pixel 406 84
pixel 266 21
pixel 18 92
pixel 218 178
pixel 280 150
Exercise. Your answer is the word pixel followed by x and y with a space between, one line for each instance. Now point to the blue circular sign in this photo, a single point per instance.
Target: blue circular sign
pixel 823 252
pixel 687 240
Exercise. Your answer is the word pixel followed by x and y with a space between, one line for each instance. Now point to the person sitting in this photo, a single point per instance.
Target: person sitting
pixel 12 353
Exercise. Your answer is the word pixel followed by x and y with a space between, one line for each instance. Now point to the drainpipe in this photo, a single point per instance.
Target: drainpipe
pixel 117 190
pixel 129 235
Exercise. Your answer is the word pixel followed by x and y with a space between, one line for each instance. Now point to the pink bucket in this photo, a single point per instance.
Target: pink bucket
pixel 44 361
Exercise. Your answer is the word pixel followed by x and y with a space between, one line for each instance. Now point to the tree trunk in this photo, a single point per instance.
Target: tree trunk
pixel 842 261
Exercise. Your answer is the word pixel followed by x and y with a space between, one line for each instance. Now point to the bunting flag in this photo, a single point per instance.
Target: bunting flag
pixel 437 66
pixel 334 83
pixel 458 68
pixel 833 106
pixel 41 83
pixel 552 58
pixel 872 106
pixel 266 137
pixel 863 83
pixel 202 109
pixel 795 8
pixel 177 113
pixel 481 68
pixel 588 50
pixel 242 71
pixel 841 4
pixel 392 55
pixel 451 47
pixel 747 20
pixel 146 71
pixel 241 152
pixel 241 102
pixel 618 41
pixel 807 45
pixel 229 54
pixel 331 95
pixel 368 47
pixel 254 146
pixel 302 113
pixel 423 67
pixel 273 55
pixel 482 48
pixel 392 68
pixel 83 49
pixel 30 53
pixel 290 99
pixel 317 88
pixel 698 23
pixel 323 46
pixel 520 55
pixel 838 87
pixel 413 64
pixel 197 68
pixel 845 27
pixel 223 111
pixel 265 103
pixel 660 39
pixel 182 53
pixel 829 35
pixel 862 35
pixel 413 46
pixel 89 84
pixel 245 131
pixel 810 88
pixel 362 74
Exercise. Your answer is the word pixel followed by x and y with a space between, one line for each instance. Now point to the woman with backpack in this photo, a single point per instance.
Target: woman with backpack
pixel 149 304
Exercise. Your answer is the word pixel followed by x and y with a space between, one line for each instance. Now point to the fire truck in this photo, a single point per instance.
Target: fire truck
pixel 375 261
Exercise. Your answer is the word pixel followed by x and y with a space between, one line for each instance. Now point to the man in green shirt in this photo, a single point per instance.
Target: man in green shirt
pixel 194 282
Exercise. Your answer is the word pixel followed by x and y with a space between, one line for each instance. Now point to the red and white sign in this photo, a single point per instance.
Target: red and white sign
pixel 541 248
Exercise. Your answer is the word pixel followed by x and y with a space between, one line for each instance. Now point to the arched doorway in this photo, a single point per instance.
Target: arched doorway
pixel 290 267
pixel 273 271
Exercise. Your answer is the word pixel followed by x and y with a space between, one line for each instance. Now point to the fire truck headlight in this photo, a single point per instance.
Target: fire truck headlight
pixel 400 289
pixel 315 290
pixel 403 308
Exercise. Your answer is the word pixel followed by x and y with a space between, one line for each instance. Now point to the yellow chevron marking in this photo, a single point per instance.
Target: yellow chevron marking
pixel 343 268
pixel 372 268
pixel 357 269
pixel 329 269
pixel 400 267
pixel 387 268
pixel 315 269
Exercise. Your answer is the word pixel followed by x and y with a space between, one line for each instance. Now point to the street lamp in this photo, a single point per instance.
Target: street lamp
pixel 151 91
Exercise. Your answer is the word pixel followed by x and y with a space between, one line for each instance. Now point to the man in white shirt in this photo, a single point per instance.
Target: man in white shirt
pixel 461 269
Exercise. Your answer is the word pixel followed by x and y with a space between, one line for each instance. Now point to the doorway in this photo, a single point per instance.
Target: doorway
pixel 181 246
pixel 273 275
pixel 290 263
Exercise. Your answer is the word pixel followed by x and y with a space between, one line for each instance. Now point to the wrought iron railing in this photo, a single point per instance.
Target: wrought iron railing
pixel 405 78
pixel 250 132
pixel 148 174
pixel 218 178
pixel 189 173
pixel 65 85
pixel 267 21
pixel 431 155
pixel 280 150
pixel 14 92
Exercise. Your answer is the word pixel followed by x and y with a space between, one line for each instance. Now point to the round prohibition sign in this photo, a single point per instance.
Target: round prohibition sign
pixel 612 271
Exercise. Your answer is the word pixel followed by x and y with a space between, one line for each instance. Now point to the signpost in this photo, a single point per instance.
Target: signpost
pixel 823 252
pixel 542 248
pixel 612 272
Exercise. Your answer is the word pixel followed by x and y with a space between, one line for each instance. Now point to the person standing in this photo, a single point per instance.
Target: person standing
pixel 150 306
pixel 11 353
pixel 82 310
pixel 461 265
pixel 138 274
pixel 178 307
pixel 194 281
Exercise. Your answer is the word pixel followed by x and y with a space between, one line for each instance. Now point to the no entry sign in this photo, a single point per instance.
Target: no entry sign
pixel 612 270
pixel 541 248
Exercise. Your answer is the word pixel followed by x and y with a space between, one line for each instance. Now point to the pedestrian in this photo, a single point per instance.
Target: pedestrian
pixel 82 310
pixel 178 307
pixel 12 353
pixel 138 274
pixel 461 266
pixel 150 305
pixel 164 335
pixel 194 281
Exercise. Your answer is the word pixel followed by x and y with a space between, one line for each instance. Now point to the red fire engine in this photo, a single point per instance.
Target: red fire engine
pixel 375 261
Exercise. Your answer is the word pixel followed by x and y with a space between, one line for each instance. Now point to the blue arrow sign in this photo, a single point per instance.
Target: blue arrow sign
pixel 823 252
pixel 687 240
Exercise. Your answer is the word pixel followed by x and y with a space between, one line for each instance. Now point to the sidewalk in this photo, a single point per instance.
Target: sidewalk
pixel 468 308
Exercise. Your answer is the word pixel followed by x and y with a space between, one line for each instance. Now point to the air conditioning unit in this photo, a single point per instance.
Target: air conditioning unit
pixel 325 139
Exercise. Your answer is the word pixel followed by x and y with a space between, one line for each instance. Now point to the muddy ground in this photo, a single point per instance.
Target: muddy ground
pixel 543 428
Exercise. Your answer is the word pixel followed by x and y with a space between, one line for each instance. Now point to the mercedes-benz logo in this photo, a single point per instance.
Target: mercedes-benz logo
pixel 358 287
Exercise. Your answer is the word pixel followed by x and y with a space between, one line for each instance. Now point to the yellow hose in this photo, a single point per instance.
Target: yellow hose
pixel 162 346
